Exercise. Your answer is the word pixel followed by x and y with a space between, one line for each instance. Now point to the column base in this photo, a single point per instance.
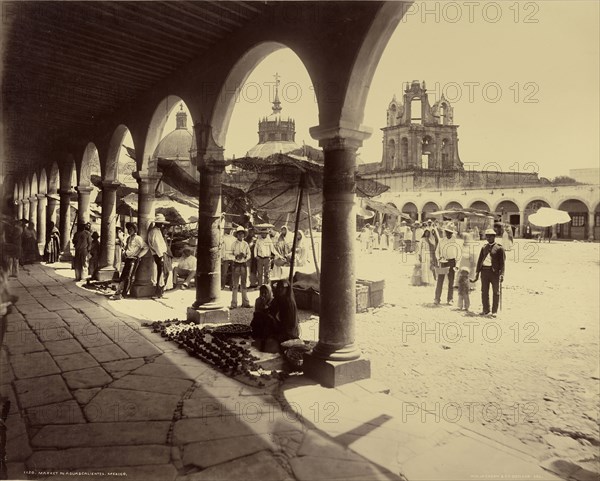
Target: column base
pixel 106 274
pixel 335 373
pixel 204 316
pixel 66 256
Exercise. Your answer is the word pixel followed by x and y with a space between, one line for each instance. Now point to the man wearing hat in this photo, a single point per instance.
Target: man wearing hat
pixel 448 253
pixel 263 251
pixel 241 254
pixel 186 268
pixel 491 265
pixel 158 248
pixel 226 252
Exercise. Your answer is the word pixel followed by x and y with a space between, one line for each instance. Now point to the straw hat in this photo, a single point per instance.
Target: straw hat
pixel 160 219
pixel 450 228
pixel 240 229
pixel 490 232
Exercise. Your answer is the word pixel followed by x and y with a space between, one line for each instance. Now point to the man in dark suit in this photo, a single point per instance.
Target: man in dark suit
pixel 491 265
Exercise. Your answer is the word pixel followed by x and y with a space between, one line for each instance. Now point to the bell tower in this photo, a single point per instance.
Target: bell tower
pixel 420 136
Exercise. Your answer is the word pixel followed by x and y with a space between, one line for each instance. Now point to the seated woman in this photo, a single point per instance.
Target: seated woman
pixel 264 325
pixel 285 310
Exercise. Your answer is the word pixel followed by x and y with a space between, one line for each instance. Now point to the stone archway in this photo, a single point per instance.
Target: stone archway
pixel 480 205
pixel 410 209
pixel 579 227
pixel 453 205
pixel 428 208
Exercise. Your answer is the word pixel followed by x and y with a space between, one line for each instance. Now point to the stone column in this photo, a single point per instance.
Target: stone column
pixel 41 223
pixel 33 204
pixel 83 204
pixel 143 287
pixel 335 359
pixel 209 305
pixel 19 208
pixel 51 209
pixel 108 227
pixel 590 225
pixel 25 208
pixel 65 225
pixel 554 229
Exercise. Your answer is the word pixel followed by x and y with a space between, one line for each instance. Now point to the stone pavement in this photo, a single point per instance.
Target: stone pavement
pixel 93 392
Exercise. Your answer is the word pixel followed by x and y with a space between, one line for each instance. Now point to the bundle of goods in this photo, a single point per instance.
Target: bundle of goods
pixel 102 287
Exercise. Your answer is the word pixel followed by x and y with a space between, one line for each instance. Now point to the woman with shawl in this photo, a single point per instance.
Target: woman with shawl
pixel 52 249
pixel 427 246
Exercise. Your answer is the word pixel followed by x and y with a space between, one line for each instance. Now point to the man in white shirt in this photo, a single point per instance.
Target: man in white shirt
pixel 226 254
pixel 186 267
pixel 135 248
pixel 241 254
pixel 448 254
pixel 263 250
pixel 158 248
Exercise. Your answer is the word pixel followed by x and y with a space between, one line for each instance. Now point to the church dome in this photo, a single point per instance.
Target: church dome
pixel 272 147
pixel 177 144
pixel 275 135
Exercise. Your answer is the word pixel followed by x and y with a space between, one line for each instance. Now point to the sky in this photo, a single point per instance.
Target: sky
pixel 523 78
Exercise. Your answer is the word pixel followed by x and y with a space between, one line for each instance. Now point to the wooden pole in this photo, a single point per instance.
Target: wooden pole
pixel 312 237
pixel 294 241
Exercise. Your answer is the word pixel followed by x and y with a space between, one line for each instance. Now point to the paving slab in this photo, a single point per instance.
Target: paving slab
pixel 25 342
pixel 51 330
pixel 249 407
pixel 38 391
pixel 261 466
pixel 110 352
pixel 117 405
pixel 15 426
pixel 61 348
pixel 54 304
pixel 311 468
pixel 86 378
pixel 102 434
pixel 33 364
pixel 41 314
pixel 15 470
pixel 18 449
pixel 209 453
pixel 84 396
pixel 90 336
pixel 153 384
pixel 164 370
pixel 99 456
pixel 76 361
pixel 220 427
pixel 7 391
pixel 67 412
pixel 123 365
pixel 318 445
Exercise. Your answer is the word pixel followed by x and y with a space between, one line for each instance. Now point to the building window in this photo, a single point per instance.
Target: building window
pixel 577 220
pixel 597 220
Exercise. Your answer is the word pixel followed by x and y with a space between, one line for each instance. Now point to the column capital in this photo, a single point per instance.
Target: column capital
pixel 110 184
pixel 342 136
pixel 33 198
pixel 40 196
pixel 84 189
pixel 146 177
pixel 206 149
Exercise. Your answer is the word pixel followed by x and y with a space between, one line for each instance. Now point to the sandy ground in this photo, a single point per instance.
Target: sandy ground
pixel 531 373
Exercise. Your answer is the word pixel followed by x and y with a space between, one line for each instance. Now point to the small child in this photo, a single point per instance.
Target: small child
pixel 463 289
pixel 417 279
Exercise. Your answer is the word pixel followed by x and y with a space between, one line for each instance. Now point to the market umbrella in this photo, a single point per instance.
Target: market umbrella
pixel 279 182
pixel 546 217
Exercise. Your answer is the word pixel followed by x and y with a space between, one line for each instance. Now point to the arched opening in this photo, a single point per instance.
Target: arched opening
pixel 54 179
pixel 508 213
pixel 411 209
pixel 43 185
pixel 275 82
pixel 392 115
pixel 453 205
pixel 596 230
pixel 416 115
pixel 26 196
pixel 443 112
pixel 391 155
pixel 427 150
pixel 579 226
pixel 34 185
pixel 480 205
pixel 446 149
pixel 427 209
pixel 405 159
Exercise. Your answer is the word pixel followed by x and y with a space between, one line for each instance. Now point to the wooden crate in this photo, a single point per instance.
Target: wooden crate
pixel 376 289
pixel 362 298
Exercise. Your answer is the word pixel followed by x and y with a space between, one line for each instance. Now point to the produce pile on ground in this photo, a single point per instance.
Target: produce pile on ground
pixel 227 347
pixel 102 287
